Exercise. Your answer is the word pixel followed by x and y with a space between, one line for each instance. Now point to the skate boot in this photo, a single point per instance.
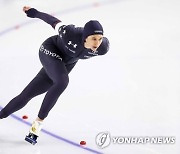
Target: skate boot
pixel 34 132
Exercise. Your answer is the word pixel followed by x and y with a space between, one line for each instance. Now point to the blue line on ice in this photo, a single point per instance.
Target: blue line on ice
pixel 54 135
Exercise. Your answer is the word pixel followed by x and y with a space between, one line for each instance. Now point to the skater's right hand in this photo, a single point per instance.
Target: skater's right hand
pixel 26 8
pixel 31 12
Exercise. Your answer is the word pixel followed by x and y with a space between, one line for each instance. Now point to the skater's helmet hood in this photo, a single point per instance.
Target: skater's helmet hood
pixel 91 28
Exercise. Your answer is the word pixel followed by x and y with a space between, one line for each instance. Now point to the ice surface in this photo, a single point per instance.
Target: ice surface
pixel 132 91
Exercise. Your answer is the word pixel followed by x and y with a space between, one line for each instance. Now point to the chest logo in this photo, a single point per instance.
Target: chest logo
pixel 70 43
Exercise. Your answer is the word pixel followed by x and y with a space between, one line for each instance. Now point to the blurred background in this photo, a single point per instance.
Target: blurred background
pixel 133 90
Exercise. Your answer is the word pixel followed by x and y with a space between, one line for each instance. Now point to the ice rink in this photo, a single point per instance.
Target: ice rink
pixel 132 91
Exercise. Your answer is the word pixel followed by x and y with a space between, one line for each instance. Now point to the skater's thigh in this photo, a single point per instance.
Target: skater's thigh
pixel 54 67
pixel 57 71
pixel 40 84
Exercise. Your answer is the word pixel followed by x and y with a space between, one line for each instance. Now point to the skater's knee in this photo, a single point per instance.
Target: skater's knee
pixel 24 96
pixel 63 82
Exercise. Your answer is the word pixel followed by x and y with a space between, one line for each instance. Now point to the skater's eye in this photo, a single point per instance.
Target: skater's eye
pixel 94 39
pixel 100 39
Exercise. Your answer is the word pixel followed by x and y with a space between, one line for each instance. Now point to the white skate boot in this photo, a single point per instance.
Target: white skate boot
pixel 34 132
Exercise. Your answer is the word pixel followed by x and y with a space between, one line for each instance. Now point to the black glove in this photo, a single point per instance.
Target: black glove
pixel 32 13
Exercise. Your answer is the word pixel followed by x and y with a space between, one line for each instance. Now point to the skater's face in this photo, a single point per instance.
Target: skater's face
pixel 93 42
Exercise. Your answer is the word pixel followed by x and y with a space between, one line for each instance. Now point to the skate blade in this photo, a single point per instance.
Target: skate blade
pixel 30 140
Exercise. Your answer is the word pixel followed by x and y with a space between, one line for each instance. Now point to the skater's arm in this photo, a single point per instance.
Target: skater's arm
pixel 33 13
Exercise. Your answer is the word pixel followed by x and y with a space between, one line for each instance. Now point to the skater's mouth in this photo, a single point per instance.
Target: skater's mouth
pixel 94 47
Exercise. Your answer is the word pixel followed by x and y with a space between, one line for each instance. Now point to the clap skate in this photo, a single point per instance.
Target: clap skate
pixel 34 132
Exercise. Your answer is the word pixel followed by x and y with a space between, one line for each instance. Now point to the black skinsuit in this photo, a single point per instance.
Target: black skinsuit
pixel 58 55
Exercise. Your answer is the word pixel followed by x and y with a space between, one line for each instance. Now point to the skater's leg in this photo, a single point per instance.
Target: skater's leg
pixel 68 68
pixel 40 84
pixel 57 71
